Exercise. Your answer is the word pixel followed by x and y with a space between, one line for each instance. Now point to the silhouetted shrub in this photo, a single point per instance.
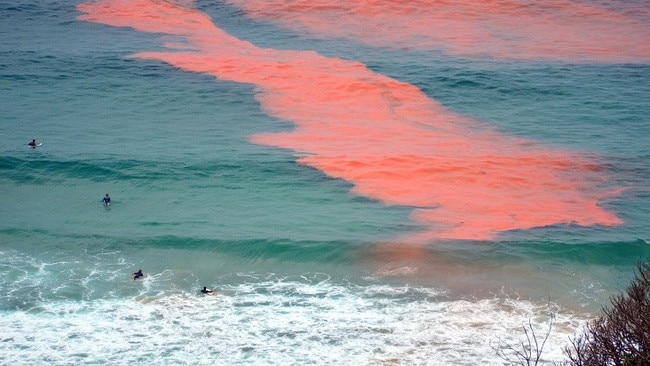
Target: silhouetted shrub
pixel 528 352
pixel 621 336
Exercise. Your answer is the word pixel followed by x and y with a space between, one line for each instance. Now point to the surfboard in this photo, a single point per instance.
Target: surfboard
pixel 37 145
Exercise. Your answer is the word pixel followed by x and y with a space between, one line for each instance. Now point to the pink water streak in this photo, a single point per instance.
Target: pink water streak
pixel 462 179
pixel 511 29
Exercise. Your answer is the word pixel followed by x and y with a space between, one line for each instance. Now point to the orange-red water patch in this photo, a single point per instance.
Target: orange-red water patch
pixel 511 29
pixel 387 137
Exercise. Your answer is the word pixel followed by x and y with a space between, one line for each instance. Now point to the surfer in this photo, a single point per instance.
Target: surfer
pixel 207 291
pixel 107 200
pixel 137 274
pixel 32 143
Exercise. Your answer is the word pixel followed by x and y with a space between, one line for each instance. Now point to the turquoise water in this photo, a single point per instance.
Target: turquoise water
pixel 308 271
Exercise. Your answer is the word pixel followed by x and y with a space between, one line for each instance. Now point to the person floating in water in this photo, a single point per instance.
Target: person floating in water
pixel 207 291
pixel 107 200
pixel 33 143
pixel 137 274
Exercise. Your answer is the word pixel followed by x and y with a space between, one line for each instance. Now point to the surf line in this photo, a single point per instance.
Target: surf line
pixel 463 179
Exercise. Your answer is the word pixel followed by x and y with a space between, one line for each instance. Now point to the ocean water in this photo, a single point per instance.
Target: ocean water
pixel 372 183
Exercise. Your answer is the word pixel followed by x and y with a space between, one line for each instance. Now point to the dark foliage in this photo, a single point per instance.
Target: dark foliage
pixel 621 336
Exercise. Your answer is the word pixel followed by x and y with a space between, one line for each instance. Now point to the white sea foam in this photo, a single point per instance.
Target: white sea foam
pixel 278 322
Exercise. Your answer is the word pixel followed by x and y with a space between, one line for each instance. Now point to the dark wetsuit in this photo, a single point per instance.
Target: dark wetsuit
pixel 137 275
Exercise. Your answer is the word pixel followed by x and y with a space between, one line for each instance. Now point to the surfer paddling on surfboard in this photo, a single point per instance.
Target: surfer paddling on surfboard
pixel 207 291
pixel 137 274
pixel 33 143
